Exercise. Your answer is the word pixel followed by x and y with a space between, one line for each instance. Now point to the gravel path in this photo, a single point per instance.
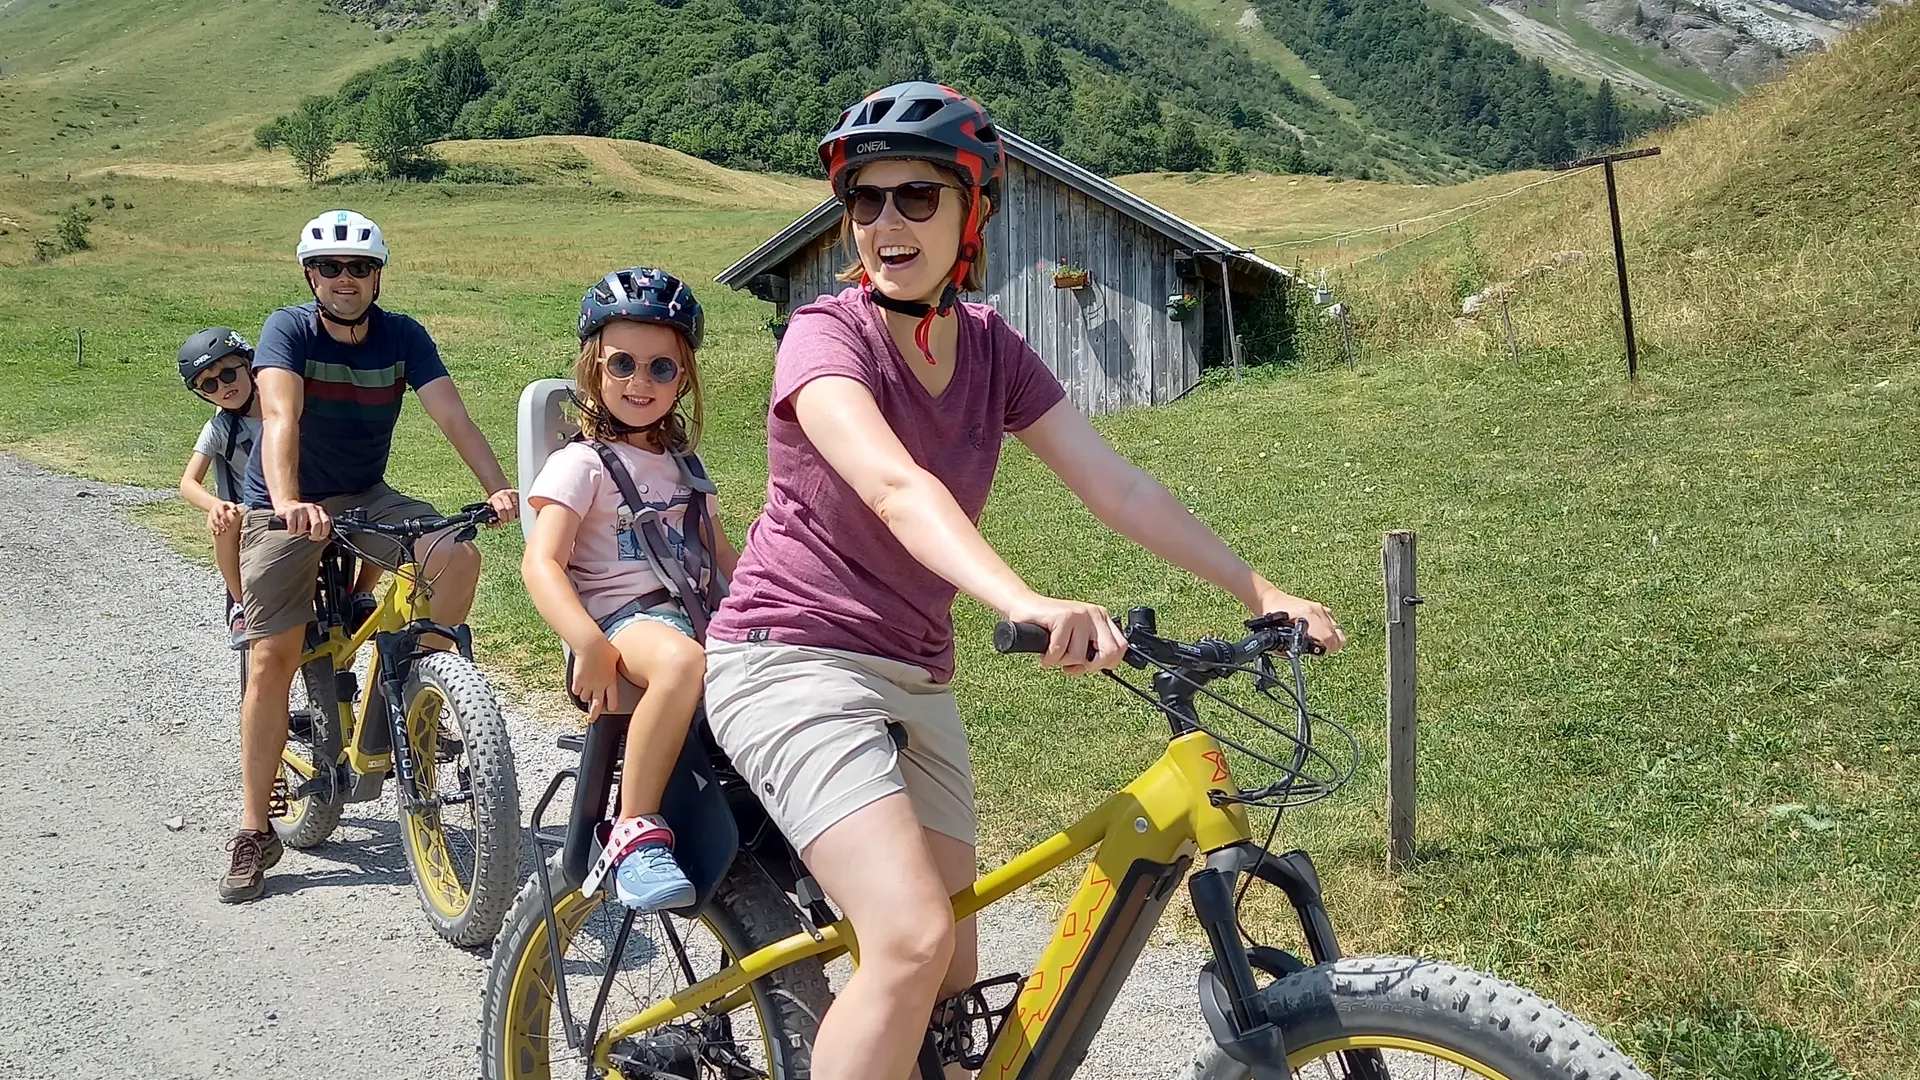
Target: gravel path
pixel 119 706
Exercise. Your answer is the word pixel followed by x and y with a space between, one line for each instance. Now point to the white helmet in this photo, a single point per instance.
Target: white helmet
pixel 342 232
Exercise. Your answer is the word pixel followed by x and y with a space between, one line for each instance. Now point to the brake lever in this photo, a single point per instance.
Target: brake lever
pixel 1265 678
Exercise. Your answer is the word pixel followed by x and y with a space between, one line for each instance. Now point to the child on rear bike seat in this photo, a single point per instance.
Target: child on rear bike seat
pixel 217 364
pixel 627 560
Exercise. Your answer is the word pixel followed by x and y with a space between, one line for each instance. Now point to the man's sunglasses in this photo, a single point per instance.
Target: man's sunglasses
pixel 331 268
pixel 664 370
pixel 211 384
pixel 916 201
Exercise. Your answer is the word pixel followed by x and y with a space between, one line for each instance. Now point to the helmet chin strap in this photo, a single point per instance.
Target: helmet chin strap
pixel 605 418
pixel 949 296
pixel 337 320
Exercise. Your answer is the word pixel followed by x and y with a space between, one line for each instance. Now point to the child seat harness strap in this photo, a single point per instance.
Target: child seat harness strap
pixel 692 578
pixel 225 484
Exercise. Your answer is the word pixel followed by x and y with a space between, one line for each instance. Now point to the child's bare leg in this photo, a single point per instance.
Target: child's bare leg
pixel 672 668
pixel 226 556
pixel 366 580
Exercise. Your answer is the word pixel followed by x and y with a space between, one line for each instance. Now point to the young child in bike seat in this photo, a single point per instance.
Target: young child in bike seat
pixel 627 560
pixel 217 364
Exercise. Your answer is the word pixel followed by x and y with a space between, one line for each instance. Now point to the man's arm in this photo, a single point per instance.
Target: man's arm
pixel 283 397
pixel 442 401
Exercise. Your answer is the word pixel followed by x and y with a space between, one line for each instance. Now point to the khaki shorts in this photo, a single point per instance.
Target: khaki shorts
pixel 277 571
pixel 807 728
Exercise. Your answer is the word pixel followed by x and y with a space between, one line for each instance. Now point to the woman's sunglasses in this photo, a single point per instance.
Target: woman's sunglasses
pixel 916 201
pixel 331 268
pixel 661 369
pixel 211 384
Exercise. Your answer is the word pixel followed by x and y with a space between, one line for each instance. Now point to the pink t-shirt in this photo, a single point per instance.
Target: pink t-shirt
pixel 607 567
pixel 820 568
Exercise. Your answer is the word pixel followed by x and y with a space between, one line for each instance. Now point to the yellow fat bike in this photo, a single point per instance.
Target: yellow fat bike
pixel 734 986
pixel 427 718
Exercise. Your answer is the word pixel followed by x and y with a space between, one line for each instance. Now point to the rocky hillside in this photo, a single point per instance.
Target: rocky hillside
pixel 1655 44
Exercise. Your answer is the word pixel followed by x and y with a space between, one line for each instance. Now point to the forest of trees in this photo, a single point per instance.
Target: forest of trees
pixel 1449 86
pixel 1117 85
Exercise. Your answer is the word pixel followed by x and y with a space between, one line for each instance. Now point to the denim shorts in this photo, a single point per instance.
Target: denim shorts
pixel 668 613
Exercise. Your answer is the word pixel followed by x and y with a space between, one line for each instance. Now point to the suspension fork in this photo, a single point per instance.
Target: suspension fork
pixel 1233 1004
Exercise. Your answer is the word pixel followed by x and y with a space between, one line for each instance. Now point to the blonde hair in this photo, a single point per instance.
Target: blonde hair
pixel 679 430
pixel 976 279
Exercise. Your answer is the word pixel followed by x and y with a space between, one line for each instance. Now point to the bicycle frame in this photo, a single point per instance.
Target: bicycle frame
pixel 1143 838
pixel 404 612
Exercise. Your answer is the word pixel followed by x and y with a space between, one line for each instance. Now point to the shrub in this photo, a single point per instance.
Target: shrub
pixel 483 172
pixel 268 136
pixel 72 229
pixel 106 201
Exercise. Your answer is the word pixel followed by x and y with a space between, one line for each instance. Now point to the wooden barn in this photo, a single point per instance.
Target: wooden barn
pixel 1120 298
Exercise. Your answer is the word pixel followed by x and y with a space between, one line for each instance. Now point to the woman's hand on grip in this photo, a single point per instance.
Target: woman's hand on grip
pixel 1084 636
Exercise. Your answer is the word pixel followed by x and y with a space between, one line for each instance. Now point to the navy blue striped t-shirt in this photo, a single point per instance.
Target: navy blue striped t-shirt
pixel 353 396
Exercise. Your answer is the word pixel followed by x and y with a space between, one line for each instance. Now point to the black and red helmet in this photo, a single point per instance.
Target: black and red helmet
pixel 916 121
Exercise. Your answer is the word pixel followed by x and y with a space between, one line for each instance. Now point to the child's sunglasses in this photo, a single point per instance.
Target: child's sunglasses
pixel 661 369
pixel 916 201
pixel 331 268
pixel 211 384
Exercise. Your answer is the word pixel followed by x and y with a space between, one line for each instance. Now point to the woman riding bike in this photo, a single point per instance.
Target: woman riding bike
pixel 889 404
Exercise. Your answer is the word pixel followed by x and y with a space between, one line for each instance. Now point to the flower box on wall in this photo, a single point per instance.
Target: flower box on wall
pixel 1069 276
pixel 1181 306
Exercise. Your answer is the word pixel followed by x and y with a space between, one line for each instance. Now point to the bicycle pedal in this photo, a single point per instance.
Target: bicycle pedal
pixel 277 805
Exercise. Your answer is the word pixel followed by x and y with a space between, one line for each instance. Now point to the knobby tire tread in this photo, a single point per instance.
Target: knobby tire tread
pixel 496 799
pixel 1507 1027
pixel 320 817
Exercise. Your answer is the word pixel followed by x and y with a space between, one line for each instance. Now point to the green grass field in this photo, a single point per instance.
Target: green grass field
pixel 1668 696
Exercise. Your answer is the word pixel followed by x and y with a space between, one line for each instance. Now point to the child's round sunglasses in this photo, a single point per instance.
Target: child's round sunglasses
pixel 917 200
pixel 331 268
pixel 661 369
pixel 212 383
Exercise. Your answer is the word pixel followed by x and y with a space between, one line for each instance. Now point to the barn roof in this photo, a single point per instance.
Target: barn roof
pixel 826 216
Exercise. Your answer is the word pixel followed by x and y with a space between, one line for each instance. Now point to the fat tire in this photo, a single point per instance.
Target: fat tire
pixel 318 817
pixel 496 799
pixel 1508 1028
pixel 748 912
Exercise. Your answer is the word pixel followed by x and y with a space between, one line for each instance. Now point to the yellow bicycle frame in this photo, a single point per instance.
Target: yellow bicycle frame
pixel 401 604
pixel 1144 836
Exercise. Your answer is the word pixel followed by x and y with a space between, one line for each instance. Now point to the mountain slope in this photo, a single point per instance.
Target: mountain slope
pixel 187 79
pixel 1118 85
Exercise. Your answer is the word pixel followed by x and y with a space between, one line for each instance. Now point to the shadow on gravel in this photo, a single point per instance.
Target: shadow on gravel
pixel 369 855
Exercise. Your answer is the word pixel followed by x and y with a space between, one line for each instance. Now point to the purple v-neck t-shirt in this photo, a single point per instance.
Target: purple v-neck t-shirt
pixel 820 568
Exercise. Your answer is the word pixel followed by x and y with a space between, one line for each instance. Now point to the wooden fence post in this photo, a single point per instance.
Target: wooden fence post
pixel 1403 596
pixel 80 346
pixel 1506 316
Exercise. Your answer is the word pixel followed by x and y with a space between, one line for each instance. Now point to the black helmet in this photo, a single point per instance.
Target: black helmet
pixel 918 121
pixel 643 294
pixel 209 347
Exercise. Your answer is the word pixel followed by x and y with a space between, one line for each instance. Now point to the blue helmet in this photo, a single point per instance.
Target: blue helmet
pixel 643 294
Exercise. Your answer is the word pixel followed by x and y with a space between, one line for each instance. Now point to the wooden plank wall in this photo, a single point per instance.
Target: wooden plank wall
pixel 1110 344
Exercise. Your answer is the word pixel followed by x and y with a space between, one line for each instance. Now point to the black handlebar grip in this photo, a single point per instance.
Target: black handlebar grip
pixel 1021 637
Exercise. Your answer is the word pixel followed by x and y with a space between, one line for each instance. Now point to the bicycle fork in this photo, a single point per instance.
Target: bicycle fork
pixel 1235 1008
pixel 398 651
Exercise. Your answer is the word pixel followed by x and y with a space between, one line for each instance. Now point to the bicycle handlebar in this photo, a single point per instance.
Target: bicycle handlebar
pixel 1277 632
pixel 349 520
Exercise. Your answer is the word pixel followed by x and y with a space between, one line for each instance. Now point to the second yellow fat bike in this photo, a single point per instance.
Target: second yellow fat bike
pixel 734 987
pixel 425 717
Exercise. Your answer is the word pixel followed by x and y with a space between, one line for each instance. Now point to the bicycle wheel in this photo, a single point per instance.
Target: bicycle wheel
pixel 1433 1020
pixel 767 1032
pixel 463 846
pixel 314 702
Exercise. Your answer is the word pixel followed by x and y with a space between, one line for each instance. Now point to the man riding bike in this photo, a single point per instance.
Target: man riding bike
pixel 331 374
